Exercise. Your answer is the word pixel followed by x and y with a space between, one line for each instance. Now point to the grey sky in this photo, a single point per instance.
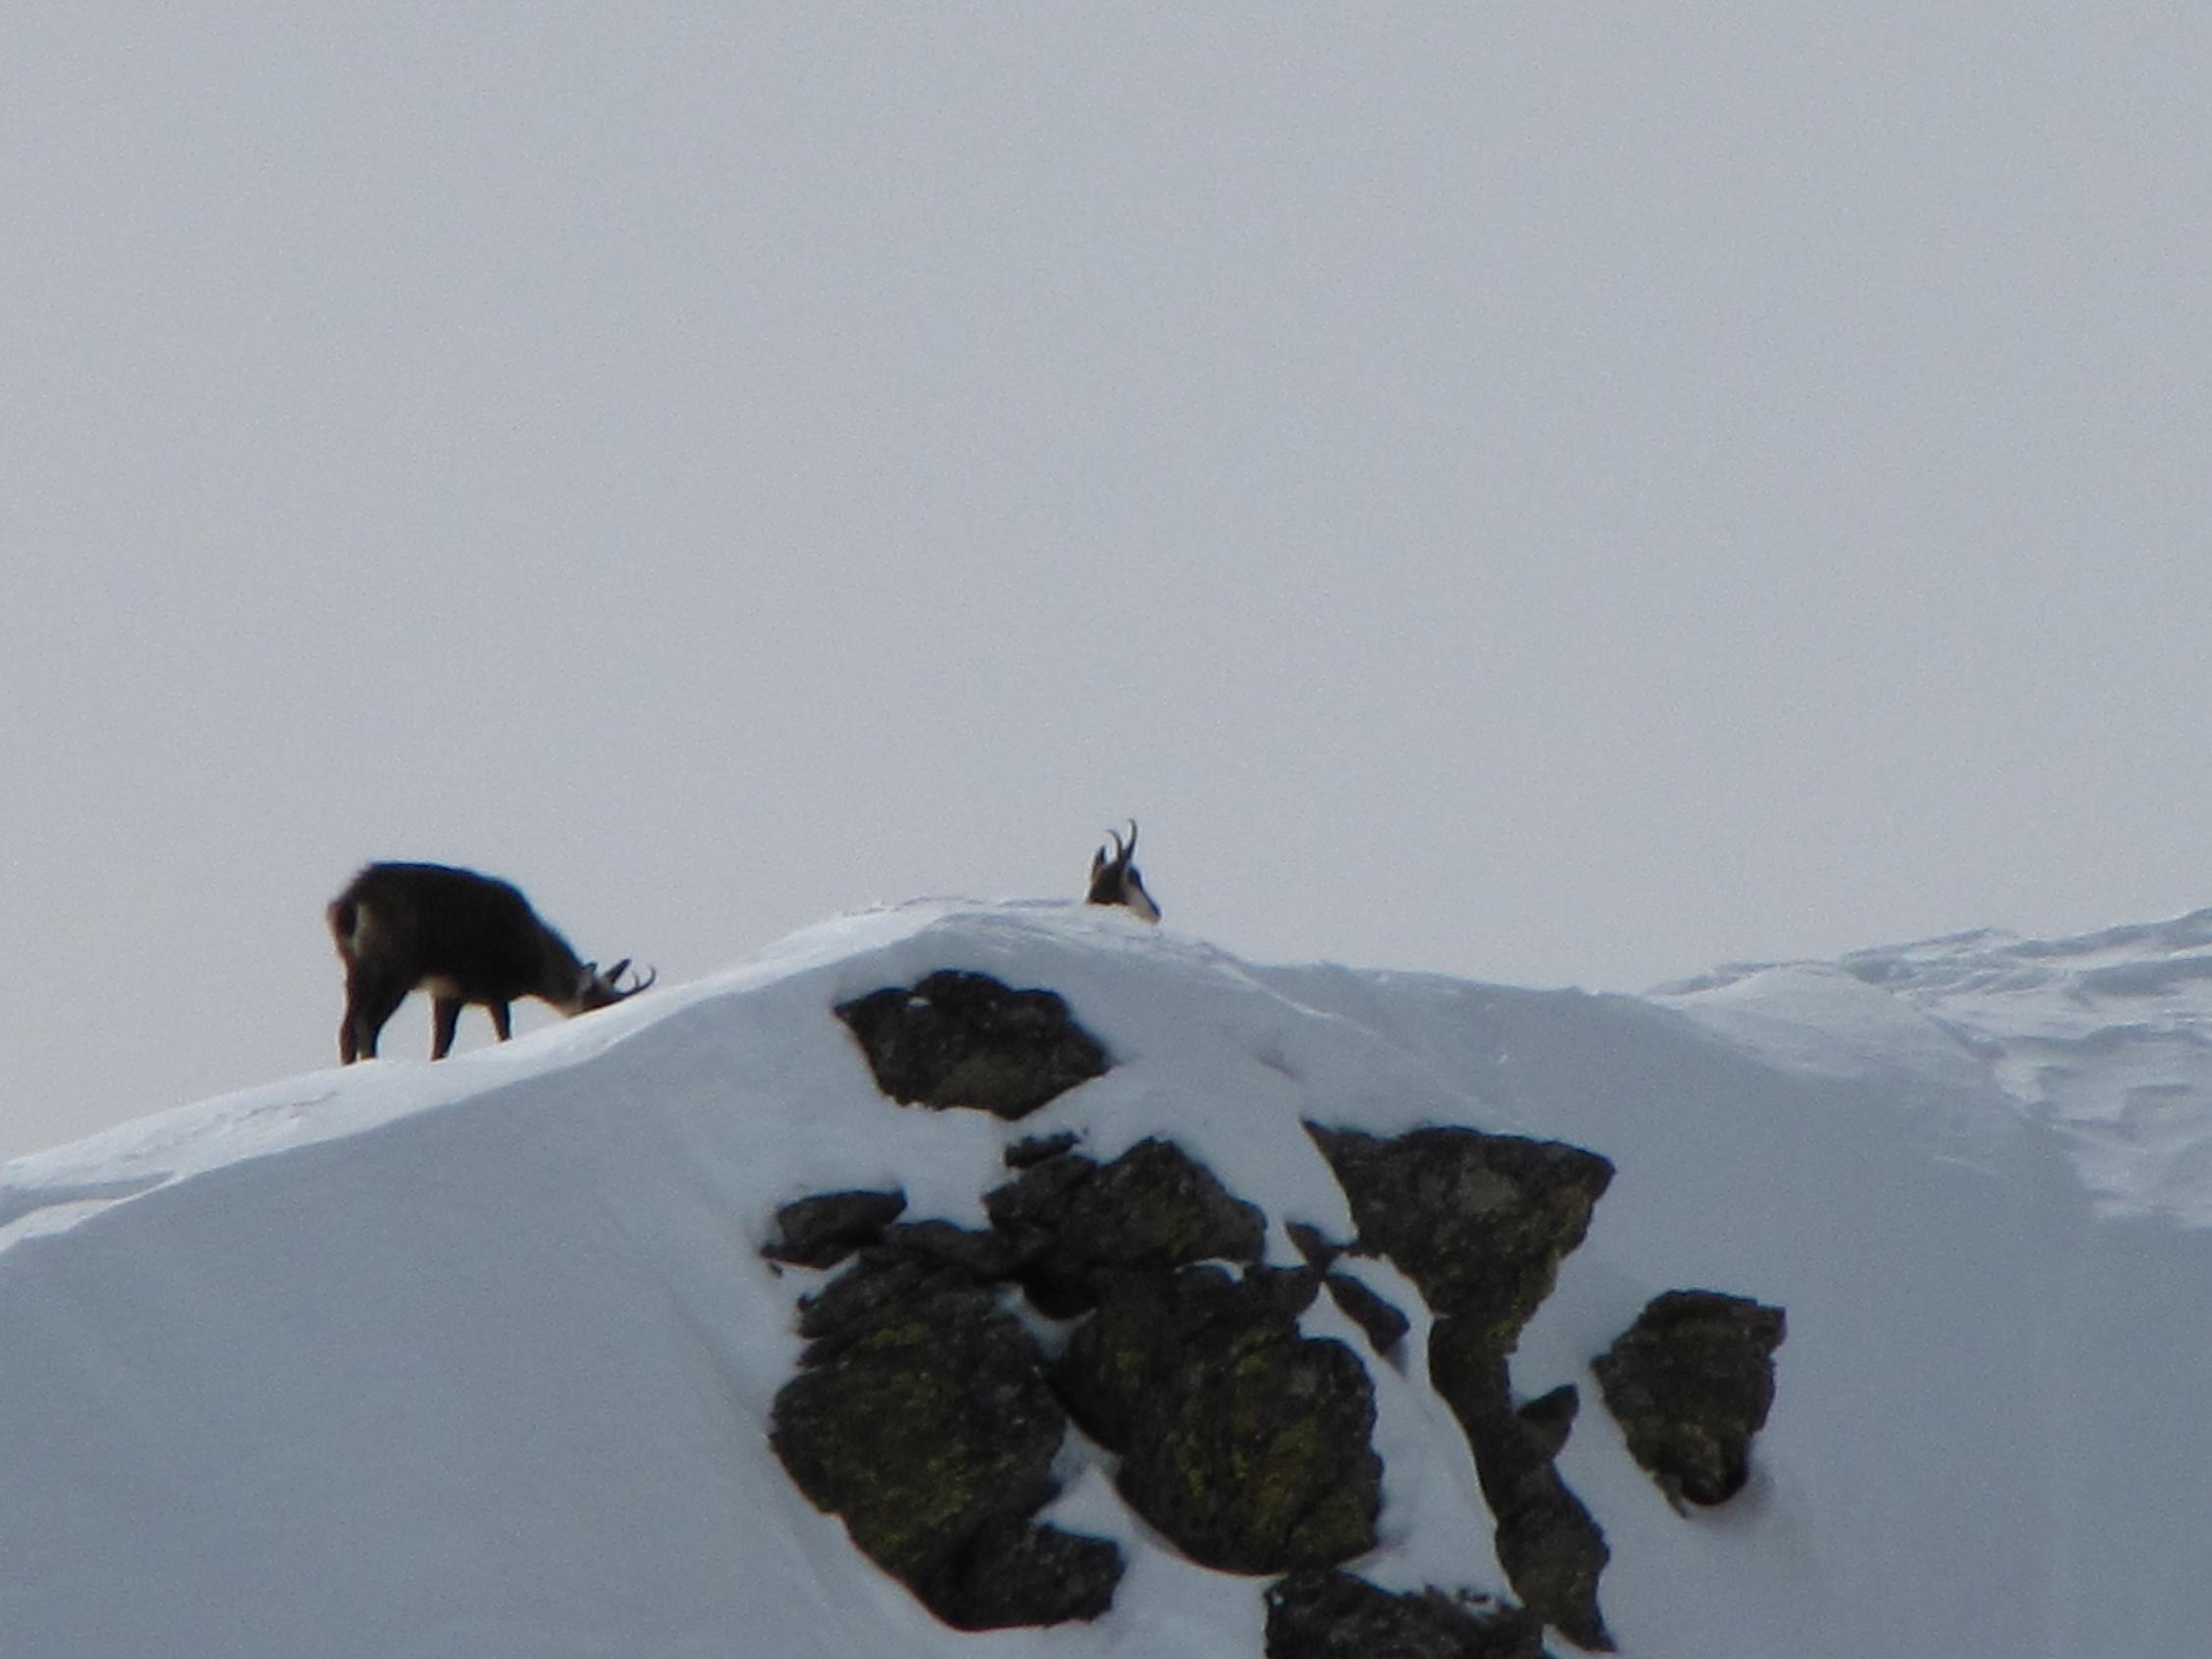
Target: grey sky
pixel 1558 495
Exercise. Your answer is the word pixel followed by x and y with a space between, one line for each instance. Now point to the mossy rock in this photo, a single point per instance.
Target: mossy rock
pixel 956 1038
pixel 1074 1222
pixel 1479 1221
pixel 1552 1550
pixel 1016 1574
pixel 1691 1382
pixel 922 1417
pixel 1244 1442
pixel 1384 1326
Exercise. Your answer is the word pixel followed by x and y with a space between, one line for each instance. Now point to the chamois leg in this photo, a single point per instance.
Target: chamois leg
pixel 445 1020
pixel 369 1004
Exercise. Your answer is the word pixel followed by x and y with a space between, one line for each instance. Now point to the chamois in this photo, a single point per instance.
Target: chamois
pixel 461 936
pixel 1116 879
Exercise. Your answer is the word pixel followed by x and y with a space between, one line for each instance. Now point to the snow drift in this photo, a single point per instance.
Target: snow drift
pixel 413 1361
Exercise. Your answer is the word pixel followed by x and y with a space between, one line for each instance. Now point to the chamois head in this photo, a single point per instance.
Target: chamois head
pixel 462 937
pixel 1116 881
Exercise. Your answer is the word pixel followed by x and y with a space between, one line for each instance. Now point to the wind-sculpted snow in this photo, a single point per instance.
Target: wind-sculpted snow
pixel 2106 1038
pixel 479 1358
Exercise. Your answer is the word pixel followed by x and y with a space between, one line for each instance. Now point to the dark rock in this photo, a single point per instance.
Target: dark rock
pixel 1552 1553
pixel 880 1285
pixel 1264 1465
pixel 1074 1222
pixel 822 1231
pixel 1479 1221
pixel 1022 1574
pixel 1031 1201
pixel 1317 1246
pixel 987 1256
pixel 1035 1149
pixel 1384 1326
pixel 921 1417
pixel 964 1039
pixel 1690 1383
pixel 1242 1441
pixel 1551 1549
pixel 1550 1418
pixel 1153 1329
pixel 1332 1615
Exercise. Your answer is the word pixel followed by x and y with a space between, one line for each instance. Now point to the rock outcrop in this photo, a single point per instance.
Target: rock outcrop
pixel 1480 1222
pixel 1240 1440
pixel 823 1230
pixel 1076 1224
pixel 958 1038
pixel 1551 1548
pixel 1327 1614
pixel 1383 1323
pixel 928 1416
pixel 1690 1383
pixel 921 1416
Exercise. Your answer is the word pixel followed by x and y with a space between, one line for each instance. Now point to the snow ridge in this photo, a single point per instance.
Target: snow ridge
pixel 2104 1039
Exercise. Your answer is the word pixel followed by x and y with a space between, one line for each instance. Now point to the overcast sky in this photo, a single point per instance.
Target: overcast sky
pixel 1559 494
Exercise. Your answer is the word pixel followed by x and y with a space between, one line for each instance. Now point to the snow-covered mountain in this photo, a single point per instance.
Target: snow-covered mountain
pixel 479 1359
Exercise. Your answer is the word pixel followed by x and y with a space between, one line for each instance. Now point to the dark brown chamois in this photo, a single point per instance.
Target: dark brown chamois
pixel 1116 879
pixel 461 936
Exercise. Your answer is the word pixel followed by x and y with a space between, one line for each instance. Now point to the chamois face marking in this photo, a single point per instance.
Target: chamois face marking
pixel 462 938
pixel 1116 879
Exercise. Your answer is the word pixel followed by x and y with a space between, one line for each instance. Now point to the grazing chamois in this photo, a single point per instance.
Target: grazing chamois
pixel 462 937
pixel 1116 881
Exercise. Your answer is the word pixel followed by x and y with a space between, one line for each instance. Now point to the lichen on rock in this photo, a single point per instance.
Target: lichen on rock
pixel 1479 1221
pixel 957 1039
pixel 1242 1440
pixel 1691 1382
pixel 921 1417
pixel 927 1416
pixel 1552 1550
pixel 1074 1222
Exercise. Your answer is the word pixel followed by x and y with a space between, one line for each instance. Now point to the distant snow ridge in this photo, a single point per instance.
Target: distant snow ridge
pixel 2105 1038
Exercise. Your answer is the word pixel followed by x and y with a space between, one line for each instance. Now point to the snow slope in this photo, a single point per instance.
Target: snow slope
pixel 476 1359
